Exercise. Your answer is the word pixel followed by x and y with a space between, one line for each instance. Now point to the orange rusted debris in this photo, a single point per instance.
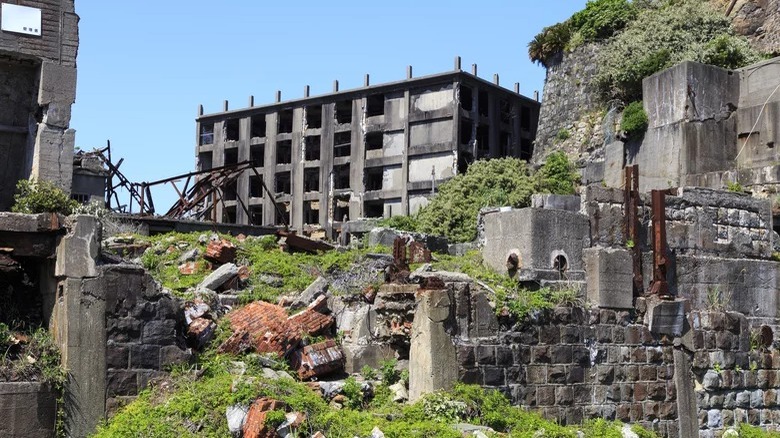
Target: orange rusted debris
pixel 317 359
pixel 188 268
pixel 419 253
pixel 255 426
pixel 220 251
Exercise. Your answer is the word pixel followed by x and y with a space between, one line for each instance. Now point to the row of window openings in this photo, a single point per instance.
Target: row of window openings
pixel 483 107
pixel 311 213
pixel 482 139
pixel 258 128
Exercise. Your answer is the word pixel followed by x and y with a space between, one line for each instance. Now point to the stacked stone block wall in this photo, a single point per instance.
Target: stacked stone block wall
pixel 144 326
pixel 738 374
pixel 572 364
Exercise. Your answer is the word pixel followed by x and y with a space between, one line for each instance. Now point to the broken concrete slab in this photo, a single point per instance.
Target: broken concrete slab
pixel 236 418
pixel 386 237
pixel 220 276
pixel 610 274
pixel 315 289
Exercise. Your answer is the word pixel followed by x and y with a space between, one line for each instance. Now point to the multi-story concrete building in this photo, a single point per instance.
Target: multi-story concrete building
pixel 375 151
pixel 38 46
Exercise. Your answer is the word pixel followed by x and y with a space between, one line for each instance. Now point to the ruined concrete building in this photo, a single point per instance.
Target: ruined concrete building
pixel 375 151
pixel 38 47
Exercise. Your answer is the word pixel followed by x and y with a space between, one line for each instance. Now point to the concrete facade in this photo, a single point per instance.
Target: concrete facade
pixel 708 127
pixel 38 79
pixel 376 151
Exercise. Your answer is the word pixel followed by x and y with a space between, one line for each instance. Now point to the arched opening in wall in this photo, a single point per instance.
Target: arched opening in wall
pixel 561 265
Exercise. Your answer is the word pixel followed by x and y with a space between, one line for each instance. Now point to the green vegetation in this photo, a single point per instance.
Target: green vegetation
pixel 489 183
pixel 520 302
pixel 562 135
pixel 274 418
pixel 748 431
pixel 662 35
pixel 599 20
pixel 390 375
pixel 41 197
pixel 734 186
pixel 634 122
pixel 201 397
pixel 557 175
pixel 643 37
pixel 272 272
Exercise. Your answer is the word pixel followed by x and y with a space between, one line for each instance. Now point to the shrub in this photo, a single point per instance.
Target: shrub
pixel 353 392
pixel 663 36
pixel 601 19
pixel 563 134
pixel 634 122
pixel 41 197
pixel 497 182
pixel 557 175
pixel 405 223
pixel 390 375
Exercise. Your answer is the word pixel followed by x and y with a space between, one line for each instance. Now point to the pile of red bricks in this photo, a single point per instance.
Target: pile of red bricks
pixel 266 328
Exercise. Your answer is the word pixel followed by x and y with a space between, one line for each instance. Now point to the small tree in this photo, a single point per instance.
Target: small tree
pixel 41 197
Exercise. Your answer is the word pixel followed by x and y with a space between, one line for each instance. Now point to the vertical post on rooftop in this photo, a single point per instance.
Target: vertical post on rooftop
pixel 251 101
pixel 474 69
pixel 408 72
pixel 517 87
pixel 225 105
pixel 278 96
pixel 495 78
pixel 335 86
pixel 457 63
pixel 366 81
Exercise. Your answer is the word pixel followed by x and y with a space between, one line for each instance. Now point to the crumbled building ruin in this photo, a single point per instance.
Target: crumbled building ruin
pixel 37 88
pixel 376 151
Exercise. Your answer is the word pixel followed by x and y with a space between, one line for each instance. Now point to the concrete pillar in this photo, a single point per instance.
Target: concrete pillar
pixel 687 410
pixel 495 125
pixel 456 122
pixel 326 167
pixel 296 177
pixel 457 63
pixel 433 363
pixel 242 184
pixel 218 160
pixel 278 96
pixel 366 81
pixel 225 105
pixel 405 160
pixel 78 322
pixel 474 69
pixel 335 86
pixel 251 101
pixel 306 91
pixel 408 72
pixel 357 158
pixel 269 170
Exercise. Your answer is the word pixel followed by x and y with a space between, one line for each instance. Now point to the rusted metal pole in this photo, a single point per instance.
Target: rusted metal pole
pixel 660 286
pixel 631 224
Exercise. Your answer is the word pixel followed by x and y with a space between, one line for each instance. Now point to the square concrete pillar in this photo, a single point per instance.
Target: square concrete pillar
pixel 609 273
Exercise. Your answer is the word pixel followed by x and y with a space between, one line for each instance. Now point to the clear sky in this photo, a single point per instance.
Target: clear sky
pixel 144 67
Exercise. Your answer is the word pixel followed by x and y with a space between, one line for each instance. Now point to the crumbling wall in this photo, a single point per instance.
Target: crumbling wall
pixel 39 132
pixel 758 20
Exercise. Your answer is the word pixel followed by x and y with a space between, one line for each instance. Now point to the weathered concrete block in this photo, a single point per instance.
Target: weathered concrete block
pixel 79 250
pixel 53 156
pixel 57 84
pixel 28 410
pixel 432 355
pixel 666 317
pixel 614 162
pixel 556 202
pixel 526 241
pixel 609 273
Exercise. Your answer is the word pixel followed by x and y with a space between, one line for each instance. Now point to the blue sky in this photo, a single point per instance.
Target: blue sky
pixel 144 67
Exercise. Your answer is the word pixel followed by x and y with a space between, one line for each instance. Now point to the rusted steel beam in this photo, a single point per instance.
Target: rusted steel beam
pixel 660 285
pixel 631 224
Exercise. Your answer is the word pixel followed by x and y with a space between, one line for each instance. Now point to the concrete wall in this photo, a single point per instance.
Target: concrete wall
pixel 28 409
pixel 537 236
pixel 50 64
